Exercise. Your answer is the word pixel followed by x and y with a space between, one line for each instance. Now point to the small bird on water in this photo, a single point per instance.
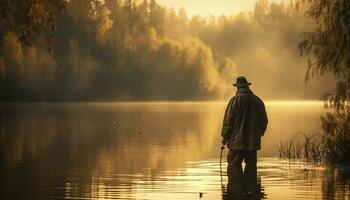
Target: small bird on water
pixel 201 194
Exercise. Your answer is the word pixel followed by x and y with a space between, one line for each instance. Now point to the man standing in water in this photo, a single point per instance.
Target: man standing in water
pixel 244 124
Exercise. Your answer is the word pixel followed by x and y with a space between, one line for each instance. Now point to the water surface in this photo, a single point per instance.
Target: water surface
pixel 159 150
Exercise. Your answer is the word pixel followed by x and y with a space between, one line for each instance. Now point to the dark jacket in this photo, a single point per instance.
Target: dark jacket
pixel 245 121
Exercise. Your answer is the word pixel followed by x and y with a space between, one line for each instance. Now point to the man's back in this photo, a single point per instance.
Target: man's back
pixel 245 121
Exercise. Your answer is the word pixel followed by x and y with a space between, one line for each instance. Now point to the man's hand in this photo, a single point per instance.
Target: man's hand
pixel 223 142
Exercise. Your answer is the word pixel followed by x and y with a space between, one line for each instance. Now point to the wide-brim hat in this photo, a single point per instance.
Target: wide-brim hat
pixel 241 81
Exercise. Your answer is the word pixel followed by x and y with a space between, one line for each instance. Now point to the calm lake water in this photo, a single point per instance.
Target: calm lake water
pixel 150 151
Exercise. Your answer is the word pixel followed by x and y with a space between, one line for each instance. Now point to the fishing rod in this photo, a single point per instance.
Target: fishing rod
pixel 222 149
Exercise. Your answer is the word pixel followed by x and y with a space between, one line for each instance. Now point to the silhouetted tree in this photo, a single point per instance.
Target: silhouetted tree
pixel 30 18
pixel 328 50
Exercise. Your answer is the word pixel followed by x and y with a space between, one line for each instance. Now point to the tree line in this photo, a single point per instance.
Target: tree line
pixel 93 50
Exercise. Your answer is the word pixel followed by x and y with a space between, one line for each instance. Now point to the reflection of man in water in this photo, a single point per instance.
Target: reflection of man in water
pixel 244 124
pixel 249 189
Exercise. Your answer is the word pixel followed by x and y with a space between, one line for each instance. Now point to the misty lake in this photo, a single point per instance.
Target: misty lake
pixel 159 150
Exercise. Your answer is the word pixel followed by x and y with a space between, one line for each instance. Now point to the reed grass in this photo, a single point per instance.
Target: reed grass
pixel 317 148
pixel 301 146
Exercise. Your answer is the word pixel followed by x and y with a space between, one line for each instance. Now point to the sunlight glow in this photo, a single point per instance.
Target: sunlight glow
pixel 212 7
pixel 295 103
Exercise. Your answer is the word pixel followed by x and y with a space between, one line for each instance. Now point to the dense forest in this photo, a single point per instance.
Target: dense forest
pixel 139 50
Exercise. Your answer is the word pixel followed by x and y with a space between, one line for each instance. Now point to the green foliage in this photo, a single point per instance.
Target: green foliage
pixel 106 50
pixel 30 18
pixel 328 50
pixel 139 50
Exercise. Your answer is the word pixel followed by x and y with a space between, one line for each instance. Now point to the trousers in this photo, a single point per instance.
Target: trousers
pixel 234 169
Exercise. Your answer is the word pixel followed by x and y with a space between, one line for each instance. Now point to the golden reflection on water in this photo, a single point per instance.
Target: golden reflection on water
pixel 154 150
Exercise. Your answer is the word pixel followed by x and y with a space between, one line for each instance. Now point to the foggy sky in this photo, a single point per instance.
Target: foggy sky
pixel 213 7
